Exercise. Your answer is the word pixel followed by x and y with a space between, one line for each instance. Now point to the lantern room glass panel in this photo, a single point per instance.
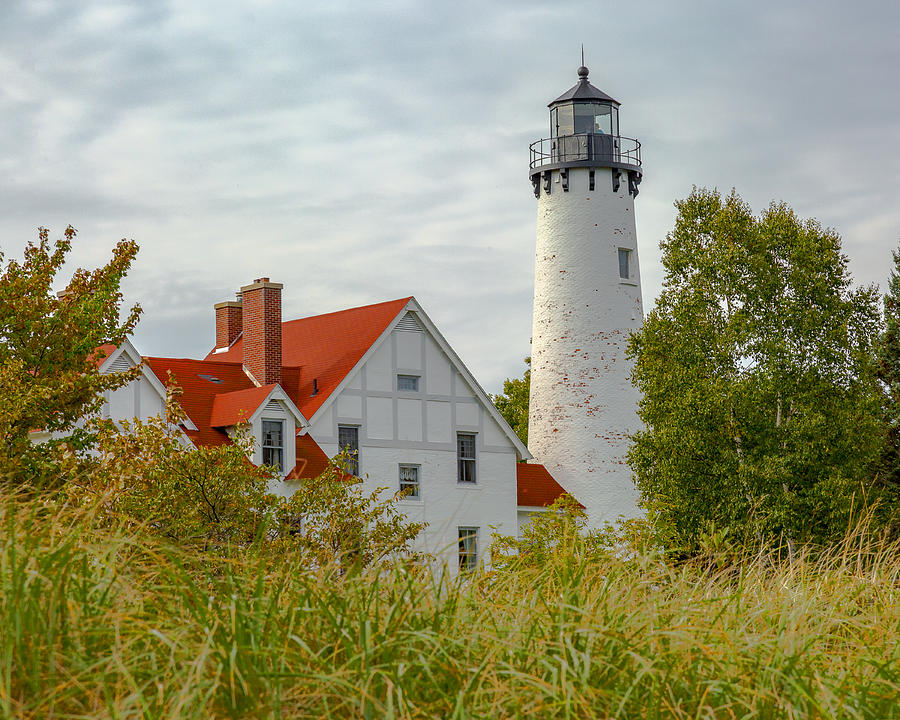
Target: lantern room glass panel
pixel 584 118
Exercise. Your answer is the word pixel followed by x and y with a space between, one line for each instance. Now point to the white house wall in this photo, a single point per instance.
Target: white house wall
pixel 420 428
pixel 139 399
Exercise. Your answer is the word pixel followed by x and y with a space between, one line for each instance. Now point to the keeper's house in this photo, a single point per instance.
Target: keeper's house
pixel 380 380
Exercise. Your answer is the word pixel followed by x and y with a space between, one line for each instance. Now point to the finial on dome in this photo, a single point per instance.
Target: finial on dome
pixel 582 71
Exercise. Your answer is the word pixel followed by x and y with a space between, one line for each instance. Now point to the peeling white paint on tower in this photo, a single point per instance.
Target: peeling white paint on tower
pixel 587 300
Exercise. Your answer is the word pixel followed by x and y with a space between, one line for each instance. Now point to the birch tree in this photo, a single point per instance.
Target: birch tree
pixel 759 392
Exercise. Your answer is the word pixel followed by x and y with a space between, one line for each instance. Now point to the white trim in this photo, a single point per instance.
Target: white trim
pixel 278 393
pixel 126 349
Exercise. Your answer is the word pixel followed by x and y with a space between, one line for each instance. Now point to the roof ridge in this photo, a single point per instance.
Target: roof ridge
pixel 350 309
pixel 229 363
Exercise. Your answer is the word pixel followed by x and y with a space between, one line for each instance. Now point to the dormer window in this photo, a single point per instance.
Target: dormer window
pixel 273 443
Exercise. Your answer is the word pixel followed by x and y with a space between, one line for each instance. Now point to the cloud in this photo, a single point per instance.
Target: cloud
pixel 359 152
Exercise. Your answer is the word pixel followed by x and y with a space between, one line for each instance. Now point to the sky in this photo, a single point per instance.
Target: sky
pixel 363 151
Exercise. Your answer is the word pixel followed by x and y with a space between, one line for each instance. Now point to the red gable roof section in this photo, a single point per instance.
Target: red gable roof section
pixel 325 348
pixel 235 407
pixel 535 486
pixel 311 459
pixel 215 392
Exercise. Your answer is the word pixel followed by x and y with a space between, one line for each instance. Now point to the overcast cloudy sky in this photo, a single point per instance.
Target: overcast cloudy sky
pixel 363 151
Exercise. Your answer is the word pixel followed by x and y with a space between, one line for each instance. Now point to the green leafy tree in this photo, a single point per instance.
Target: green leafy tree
pixel 760 401
pixel 49 376
pixel 513 402
pixel 560 531
pixel 888 354
pixel 147 474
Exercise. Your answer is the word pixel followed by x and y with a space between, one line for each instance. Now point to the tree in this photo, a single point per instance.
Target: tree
pixel 49 376
pixel 513 402
pixel 888 354
pixel 333 522
pixel 147 473
pixel 760 401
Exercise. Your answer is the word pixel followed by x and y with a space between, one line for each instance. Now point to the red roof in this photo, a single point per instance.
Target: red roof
pixel 323 348
pixel 311 459
pixel 235 407
pixel 535 486
pixel 218 394
pixel 201 381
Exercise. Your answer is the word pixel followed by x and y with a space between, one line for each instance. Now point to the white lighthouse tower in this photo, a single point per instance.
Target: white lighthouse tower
pixel 587 300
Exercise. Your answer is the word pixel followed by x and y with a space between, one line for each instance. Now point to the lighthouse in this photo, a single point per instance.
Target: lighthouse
pixel 587 301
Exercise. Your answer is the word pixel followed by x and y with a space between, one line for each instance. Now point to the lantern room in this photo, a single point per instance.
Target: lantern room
pixel 584 110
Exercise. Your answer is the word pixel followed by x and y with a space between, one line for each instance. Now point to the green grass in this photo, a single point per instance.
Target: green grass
pixel 101 624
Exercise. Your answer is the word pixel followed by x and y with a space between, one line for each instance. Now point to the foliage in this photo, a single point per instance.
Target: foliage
pixel 513 402
pixel 558 530
pixel 888 354
pixel 333 522
pixel 114 624
pixel 759 393
pixel 148 473
pixel 49 377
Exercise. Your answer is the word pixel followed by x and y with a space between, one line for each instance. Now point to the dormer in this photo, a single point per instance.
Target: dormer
pixel 273 418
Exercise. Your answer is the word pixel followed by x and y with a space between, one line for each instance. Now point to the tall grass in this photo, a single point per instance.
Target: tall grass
pixel 113 625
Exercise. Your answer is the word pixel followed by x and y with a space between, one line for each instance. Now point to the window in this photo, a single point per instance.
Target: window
pixel 408 383
pixel 465 453
pixel 468 548
pixel 624 264
pixel 273 443
pixel 348 441
pixel 409 480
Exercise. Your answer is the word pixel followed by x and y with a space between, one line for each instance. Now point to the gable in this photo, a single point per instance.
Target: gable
pixel 413 345
pixel 465 382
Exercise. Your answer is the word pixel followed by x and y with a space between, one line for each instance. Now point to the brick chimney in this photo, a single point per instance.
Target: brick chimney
pixel 262 330
pixel 229 323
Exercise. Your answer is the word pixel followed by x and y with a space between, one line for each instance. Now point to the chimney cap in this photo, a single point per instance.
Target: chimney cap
pixel 227 304
pixel 260 283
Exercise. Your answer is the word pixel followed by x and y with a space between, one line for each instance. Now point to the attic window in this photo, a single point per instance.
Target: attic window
pixel 409 322
pixel 210 378
pixel 120 364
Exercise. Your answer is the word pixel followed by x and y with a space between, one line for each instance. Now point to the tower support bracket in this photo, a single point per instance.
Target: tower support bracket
pixel 634 179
